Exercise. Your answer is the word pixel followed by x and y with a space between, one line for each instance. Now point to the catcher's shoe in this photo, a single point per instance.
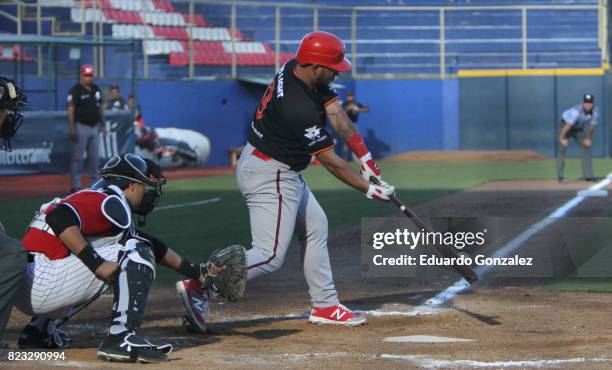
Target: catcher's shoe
pixel 335 315
pixel 129 347
pixel 165 348
pixel 31 338
pixel 195 299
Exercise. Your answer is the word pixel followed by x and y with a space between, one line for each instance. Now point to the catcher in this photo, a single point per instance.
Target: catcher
pixel 79 245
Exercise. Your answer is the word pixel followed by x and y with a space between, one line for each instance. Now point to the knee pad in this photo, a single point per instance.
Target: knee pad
pixel 139 253
pixel 131 287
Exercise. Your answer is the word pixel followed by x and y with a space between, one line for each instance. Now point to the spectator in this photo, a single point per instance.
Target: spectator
pixel 85 111
pixel 353 108
pixel 575 121
pixel 116 101
pixel 133 105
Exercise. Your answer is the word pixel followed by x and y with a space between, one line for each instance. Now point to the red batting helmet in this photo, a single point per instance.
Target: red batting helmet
pixel 87 70
pixel 324 49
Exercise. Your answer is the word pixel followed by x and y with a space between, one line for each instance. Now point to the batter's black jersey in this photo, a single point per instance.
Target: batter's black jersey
pixel 87 103
pixel 289 123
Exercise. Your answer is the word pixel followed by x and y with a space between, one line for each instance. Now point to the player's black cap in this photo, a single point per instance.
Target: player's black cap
pixel 588 98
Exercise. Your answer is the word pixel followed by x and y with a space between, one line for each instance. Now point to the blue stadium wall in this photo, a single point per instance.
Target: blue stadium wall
pixel 404 114
pixel 476 113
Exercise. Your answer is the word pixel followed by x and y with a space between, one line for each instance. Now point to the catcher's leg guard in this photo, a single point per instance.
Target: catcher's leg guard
pixel 134 278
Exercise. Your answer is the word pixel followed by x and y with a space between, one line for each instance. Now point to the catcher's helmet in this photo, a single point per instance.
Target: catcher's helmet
pixel 325 49
pixel 125 169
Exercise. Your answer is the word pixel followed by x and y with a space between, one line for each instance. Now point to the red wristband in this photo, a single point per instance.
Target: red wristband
pixel 357 145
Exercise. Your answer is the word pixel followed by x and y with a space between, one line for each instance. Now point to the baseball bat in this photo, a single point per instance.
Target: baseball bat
pixel 444 251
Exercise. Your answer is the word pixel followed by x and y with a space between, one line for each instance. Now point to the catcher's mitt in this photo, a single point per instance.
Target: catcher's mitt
pixel 225 272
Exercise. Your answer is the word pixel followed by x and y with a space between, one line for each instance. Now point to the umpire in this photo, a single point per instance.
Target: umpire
pixel 85 111
pixel 575 122
pixel 12 255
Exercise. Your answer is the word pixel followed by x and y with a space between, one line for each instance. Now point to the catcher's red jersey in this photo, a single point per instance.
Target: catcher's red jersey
pixel 87 205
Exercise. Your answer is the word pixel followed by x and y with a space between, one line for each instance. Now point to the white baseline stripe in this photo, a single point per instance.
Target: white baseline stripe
pixel 433 363
pixel 180 205
pixel 514 244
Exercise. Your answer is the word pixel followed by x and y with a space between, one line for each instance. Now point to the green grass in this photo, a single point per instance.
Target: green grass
pixel 600 285
pixel 195 231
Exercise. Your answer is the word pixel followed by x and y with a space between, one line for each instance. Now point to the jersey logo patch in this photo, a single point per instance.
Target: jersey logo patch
pixel 313 133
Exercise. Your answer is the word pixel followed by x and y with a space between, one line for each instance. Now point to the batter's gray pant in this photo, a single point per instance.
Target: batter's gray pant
pixel 12 270
pixel 280 203
pixel 585 156
pixel 88 141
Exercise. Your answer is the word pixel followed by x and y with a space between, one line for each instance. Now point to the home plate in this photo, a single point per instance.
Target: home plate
pixel 593 193
pixel 425 339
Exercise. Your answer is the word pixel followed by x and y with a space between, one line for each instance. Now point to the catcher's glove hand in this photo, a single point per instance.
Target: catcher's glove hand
pixel 225 272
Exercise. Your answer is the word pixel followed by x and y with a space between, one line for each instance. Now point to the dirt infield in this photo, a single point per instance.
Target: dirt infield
pixel 19 187
pixel 466 156
pixel 512 325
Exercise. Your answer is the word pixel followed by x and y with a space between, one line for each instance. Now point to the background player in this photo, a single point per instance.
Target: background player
pixel 574 122
pixel 80 244
pixel 85 111
pixel 12 256
pixel 288 128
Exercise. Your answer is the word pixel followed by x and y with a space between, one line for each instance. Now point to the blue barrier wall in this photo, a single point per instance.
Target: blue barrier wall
pixel 220 110
pixel 523 112
pixel 409 115
pixel 404 114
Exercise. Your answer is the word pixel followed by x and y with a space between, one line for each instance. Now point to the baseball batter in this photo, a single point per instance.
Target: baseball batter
pixel 79 245
pixel 288 129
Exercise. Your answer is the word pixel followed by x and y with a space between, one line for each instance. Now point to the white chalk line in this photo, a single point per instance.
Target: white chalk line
pixel 433 363
pixel 304 315
pixel 418 360
pixel 190 204
pixel 459 286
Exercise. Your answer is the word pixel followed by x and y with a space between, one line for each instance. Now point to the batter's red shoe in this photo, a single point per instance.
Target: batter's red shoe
pixel 195 300
pixel 335 315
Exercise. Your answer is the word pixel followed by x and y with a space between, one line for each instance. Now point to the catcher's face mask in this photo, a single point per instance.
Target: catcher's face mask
pixel 132 168
pixel 13 100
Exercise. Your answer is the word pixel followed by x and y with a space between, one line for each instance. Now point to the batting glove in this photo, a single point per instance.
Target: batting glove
pixel 368 168
pixel 381 192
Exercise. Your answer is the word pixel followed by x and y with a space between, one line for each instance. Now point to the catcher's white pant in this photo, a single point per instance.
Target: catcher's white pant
pixel 280 203
pixel 52 288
